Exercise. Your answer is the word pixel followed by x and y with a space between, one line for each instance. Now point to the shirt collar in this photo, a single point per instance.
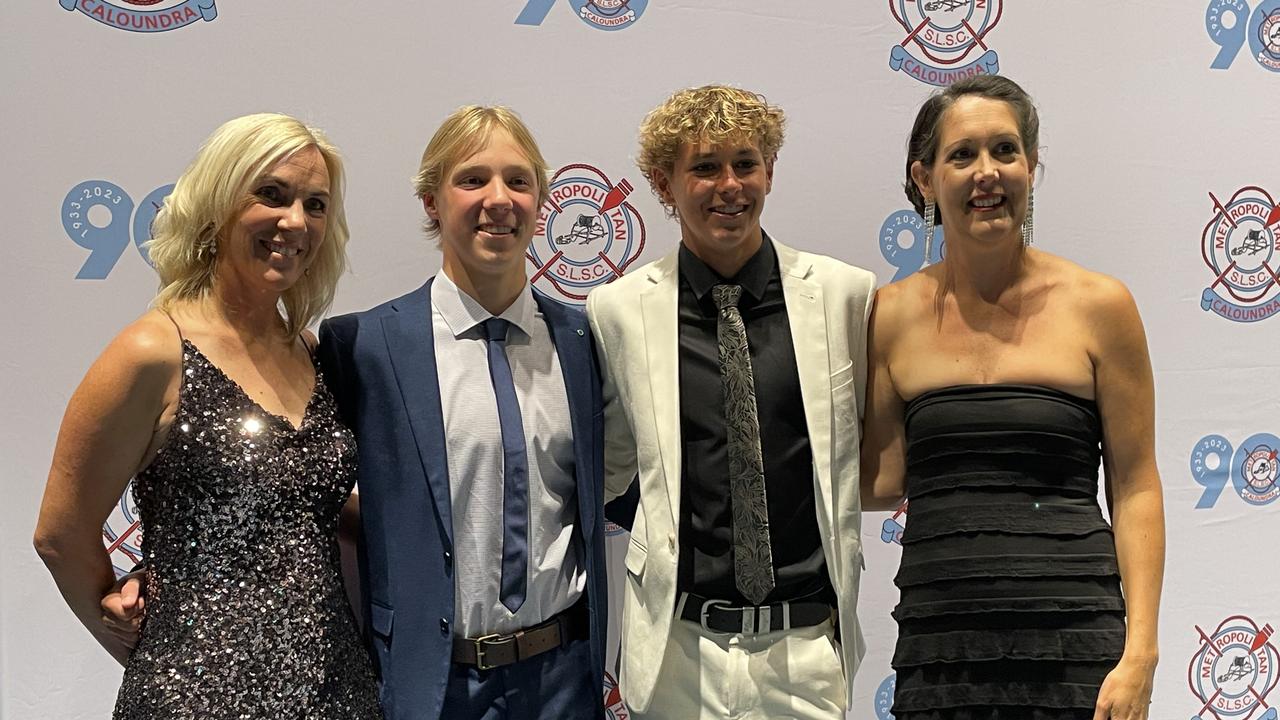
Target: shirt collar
pixel 753 277
pixel 463 313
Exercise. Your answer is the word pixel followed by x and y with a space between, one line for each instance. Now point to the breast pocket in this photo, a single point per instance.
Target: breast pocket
pixel 635 559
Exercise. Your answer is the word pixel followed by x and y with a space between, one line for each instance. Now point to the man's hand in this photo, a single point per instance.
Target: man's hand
pixel 124 607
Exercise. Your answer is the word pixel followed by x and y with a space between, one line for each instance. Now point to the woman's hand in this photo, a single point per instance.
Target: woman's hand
pixel 1126 692
pixel 124 608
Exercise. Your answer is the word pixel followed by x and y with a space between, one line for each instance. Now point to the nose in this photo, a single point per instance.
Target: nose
pixel 293 216
pixel 728 183
pixel 985 169
pixel 498 196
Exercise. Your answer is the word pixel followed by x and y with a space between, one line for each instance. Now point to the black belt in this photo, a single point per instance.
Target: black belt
pixel 496 650
pixel 721 616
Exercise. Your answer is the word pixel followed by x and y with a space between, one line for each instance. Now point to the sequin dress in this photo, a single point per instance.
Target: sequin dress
pixel 1011 606
pixel 246 613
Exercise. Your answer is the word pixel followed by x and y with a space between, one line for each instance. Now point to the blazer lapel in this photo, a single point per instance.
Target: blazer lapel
pixel 658 305
pixel 569 334
pixel 807 316
pixel 411 347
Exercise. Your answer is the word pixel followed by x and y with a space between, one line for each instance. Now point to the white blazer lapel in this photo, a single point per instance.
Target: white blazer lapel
pixel 807 316
pixel 659 313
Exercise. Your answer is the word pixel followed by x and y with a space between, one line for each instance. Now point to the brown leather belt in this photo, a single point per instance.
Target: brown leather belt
pixel 491 651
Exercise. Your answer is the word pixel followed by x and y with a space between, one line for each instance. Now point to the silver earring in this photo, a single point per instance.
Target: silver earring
pixel 1029 223
pixel 929 209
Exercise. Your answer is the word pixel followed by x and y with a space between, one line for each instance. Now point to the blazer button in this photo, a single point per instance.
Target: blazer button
pixel 444 626
pixel 448 558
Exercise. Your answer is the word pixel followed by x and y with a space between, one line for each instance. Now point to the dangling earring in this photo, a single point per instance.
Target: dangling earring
pixel 929 209
pixel 1029 223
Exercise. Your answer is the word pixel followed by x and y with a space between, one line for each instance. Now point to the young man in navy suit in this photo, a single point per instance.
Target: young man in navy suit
pixel 476 402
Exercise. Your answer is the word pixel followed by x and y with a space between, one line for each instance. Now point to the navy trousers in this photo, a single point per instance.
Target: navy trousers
pixel 555 685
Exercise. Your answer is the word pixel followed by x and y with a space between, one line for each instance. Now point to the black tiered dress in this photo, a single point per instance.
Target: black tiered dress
pixel 246 613
pixel 1010 593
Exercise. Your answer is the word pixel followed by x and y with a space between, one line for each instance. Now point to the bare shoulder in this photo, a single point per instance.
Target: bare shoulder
pixel 150 343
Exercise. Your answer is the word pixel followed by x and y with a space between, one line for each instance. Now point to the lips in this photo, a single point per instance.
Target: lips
pixel 987 202
pixel 729 210
pixel 281 249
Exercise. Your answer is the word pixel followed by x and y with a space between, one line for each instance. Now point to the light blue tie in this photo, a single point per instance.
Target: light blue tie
pixel 515 469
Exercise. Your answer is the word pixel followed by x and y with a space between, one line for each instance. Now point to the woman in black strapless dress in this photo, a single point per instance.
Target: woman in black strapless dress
pixel 1000 378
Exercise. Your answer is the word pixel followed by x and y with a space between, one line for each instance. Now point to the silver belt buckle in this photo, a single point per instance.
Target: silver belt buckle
pixel 706 609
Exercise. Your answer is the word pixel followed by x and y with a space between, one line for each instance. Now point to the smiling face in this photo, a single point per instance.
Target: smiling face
pixel 982 173
pixel 273 240
pixel 487 210
pixel 718 193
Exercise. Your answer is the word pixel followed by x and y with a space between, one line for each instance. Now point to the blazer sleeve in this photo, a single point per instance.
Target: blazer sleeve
pixel 337 336
pixel 619 442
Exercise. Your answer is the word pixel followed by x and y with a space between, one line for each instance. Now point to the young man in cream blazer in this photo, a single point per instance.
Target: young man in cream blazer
pixel 734 371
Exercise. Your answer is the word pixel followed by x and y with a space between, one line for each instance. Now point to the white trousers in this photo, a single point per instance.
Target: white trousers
pixel 710 676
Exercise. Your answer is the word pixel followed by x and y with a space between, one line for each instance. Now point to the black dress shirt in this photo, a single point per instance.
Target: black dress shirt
pixel 706 513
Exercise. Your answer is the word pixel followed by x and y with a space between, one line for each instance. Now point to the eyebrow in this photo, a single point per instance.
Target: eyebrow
pixel 485 168
pixel 322 192
pixel 1001 136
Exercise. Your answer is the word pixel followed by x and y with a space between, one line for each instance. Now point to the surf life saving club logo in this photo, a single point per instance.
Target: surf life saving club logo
pixel 599 14
pixel 942 37
pixel 1234 671
pixel 1240 245
pixel 1231 25
pixel 145 16
pixel 587 234
pixel 122 533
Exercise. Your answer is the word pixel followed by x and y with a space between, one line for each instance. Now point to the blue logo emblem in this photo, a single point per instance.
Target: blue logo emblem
pixel 1234 671
pixel 96 216
pixel 884 698
pixel 1241 247
pixel 1231 25
pixel 587 234
pixel 944 35
pixel 169 16
pixel 1251 469
pixel 599 14
pixel 902 242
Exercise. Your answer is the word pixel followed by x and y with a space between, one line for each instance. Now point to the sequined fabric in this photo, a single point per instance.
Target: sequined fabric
pixel 246 612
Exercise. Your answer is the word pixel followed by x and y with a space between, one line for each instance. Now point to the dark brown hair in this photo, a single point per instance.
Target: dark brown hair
pixel 923 144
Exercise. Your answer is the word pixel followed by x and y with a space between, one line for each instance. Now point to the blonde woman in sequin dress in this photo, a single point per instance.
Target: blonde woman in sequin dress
pixel 213 405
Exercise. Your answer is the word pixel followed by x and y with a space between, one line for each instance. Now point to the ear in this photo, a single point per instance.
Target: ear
pixel 1034 159
pixel 768 174
pixel 662 184
pixel 429 204
pixel 920 176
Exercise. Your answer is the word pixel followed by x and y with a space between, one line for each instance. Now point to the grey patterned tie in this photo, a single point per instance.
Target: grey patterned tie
pixel 752 556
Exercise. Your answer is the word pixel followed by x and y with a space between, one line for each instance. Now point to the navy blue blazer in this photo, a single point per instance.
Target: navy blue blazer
pixel 381 367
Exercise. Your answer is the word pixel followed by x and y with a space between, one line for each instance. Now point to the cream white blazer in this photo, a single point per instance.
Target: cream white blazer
pixel 634 320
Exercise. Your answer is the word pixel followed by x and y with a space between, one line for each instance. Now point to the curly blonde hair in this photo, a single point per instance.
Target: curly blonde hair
pixel 713 114
pixel 214 190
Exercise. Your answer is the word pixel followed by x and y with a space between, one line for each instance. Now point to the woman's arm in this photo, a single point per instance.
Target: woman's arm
pixel 106 433
pixel 883 444
pixel 1126 400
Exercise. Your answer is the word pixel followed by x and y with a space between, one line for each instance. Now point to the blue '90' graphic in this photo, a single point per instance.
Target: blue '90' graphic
pixel 107 233
pixel 1231 25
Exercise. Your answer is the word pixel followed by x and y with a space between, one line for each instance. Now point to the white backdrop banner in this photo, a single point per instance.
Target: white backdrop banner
pixel 1161 168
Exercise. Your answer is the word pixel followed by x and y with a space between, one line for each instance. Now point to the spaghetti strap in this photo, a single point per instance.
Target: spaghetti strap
pixel 178 327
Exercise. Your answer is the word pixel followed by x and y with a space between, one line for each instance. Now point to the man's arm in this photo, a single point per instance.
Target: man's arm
pixel 619 442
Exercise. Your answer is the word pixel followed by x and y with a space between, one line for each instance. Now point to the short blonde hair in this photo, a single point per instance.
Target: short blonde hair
pixel 713 114
pixel 214 190
pixel 465 132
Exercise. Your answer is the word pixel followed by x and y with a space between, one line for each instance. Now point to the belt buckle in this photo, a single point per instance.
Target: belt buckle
pixel 480 645
pixel 706 610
